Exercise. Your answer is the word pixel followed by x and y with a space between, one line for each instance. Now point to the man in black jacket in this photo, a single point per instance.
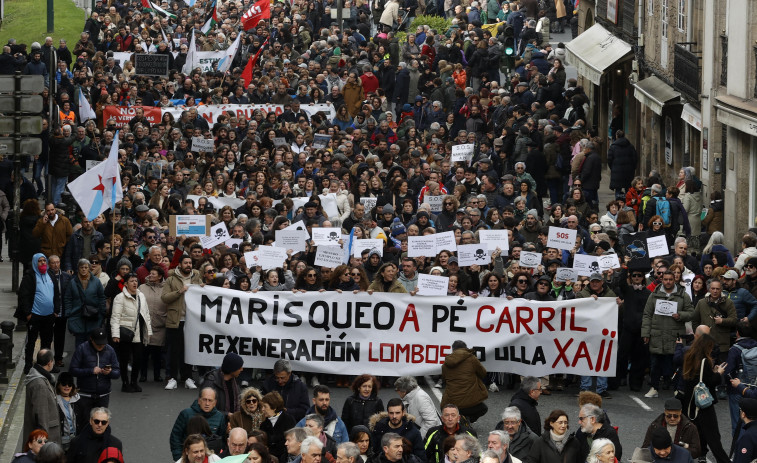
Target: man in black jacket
pixel 225 379
pixel 87 446
pixel 591 419
pixel 526 399
pixel 591 175
pixel 396 423
pixel 621 159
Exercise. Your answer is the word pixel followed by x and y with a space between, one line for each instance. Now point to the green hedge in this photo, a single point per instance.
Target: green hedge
pixel 434 22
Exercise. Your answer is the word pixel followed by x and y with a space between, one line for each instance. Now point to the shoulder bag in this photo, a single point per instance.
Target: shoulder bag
pixel 88 312
pixel 701 395
pixel 126 334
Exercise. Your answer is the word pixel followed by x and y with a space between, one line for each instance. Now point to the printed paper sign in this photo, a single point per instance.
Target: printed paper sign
pixel 561 238
pixel 432 285
pixel 252 259
pixel 321 141
pixel 369 204
pixel 328 202
pixel 233 243
pixel 585 265
pixel 326 236
pixel 218 235
pixel 421 246
pixel 299 225
pixel 657 246
pixel 191 225
pixel 271 257
pixel 608 262
pixel 399 334
pixel 329 256
pixel 201 144
pixel 495 239
pixel 565 274
pixel 665 308
pixel 530 259
pixel 434 201
pixel 290 239
pixel 445 242
pixel 362 244
pixel 280 141
pixel 462 153
pixel 91 164
pixel 473 254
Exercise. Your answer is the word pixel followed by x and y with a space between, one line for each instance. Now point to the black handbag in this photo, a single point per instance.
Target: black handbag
pixel 125 334
pixel 88 312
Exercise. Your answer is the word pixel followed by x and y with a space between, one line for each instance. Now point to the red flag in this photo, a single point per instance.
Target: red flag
pixel 247 73
pixel 258 11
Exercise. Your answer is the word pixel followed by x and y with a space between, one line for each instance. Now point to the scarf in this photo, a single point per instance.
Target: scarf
pixel 232 396
pixel 559 441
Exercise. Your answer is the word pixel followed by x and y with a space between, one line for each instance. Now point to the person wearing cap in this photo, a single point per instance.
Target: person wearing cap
pixel 596 288
pixel 667 329
pixel 541 290
pixel 743 300
pixel 717 312
pixel 663 450
pixel 677 426
pixel 224 381
pixel 746 445
pixel 94 364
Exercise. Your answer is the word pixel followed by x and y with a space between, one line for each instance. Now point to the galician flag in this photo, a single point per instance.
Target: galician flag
pixel 85 109
pixel 107 190
pixel 228 56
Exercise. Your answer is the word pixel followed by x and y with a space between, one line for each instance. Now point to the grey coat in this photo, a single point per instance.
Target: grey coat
pixel 41 410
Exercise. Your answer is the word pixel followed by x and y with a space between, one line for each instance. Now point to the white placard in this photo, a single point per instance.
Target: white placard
pixel 290 239
pixel 329 256
pixel 191 225
pixel 271 257
pixel 530 259
pixel 473 254
pixel 421 246
pixel 462 153
pixel 280 141
pixel 360 245
pixel 218 234
pixel 369 203
pixel 299 225
pixel 608 261
pixel 328 202
pixel 432 285
pixel 445 242
pixel 665 308
pixel 434 201
pixel 561 238
pixel 657 246
pixel 565 274
pixel 201 144
pixel 326 236
pixel 252 259
pixel 233 243
pixel 495 239
pixel 91 164
pixel 585 264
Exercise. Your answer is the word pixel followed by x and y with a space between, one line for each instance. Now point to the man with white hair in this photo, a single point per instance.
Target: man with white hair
pixel 310 450
pixel 521 437
pixel 591 419
pixel 499 442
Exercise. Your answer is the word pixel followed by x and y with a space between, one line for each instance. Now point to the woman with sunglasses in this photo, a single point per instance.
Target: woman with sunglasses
pixel 341 280
pixel 250 416
pixel 66 396
pixel 308 280
pixel 360 278
pixel 519 285
pixel 32 446
pixel 655 227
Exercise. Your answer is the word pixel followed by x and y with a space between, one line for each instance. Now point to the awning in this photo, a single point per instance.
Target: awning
pixel 594 51
pixel 737 113
pixel 654 93
pixel 692 116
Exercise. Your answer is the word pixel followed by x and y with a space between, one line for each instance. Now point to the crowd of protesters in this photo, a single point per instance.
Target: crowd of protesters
pixel 400 105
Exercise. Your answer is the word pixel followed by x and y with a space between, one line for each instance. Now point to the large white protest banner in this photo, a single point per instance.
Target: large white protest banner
pixel 399 334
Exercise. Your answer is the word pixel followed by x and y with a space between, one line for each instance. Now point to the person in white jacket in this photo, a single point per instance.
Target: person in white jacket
pixel 390 15
pixel 130 312
pixel 342 203
pixel 417 403
pixel 748 250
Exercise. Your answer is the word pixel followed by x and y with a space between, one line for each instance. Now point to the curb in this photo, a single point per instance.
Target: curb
pixel 8 408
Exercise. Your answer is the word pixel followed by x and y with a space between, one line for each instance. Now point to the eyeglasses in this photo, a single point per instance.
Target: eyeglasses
pixel 522 281
pixel 637 275
pixel 355 274
pixel 657 223
pixel 672 415
pixel 99 422
pixel 42 441
pixel 310 275
pixel 251 401
pixel 581 418
pixel 94 262
pixel 542 283
pixel 212 270
pixel 750 266
pixel 448 204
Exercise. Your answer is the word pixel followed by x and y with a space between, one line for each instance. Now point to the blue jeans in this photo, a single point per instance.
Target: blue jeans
pixel 59 184
pixel 734 399
pixel 601 383
pixel 37 177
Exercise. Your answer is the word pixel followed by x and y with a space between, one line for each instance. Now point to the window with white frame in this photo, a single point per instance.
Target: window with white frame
pixel 664 19
pixel 682 15
pixel 650 7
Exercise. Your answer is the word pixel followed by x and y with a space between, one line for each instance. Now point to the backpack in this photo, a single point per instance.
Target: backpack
pixel 663 210
pixel 748 364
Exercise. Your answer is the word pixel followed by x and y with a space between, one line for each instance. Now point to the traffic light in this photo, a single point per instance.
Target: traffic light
pixel 509 41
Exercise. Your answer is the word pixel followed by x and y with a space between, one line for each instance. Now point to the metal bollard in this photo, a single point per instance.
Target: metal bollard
pixel 5 349
pixel 6 328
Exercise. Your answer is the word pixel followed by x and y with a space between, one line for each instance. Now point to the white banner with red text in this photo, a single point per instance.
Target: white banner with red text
pixel 398 334
pixel 123 114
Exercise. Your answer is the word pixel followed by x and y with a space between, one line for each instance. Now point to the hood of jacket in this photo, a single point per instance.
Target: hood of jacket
pixel 330 414
pixel 375 418
pixel 457 357
pixel 38 372
pixel 522 395
pixel 716 206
